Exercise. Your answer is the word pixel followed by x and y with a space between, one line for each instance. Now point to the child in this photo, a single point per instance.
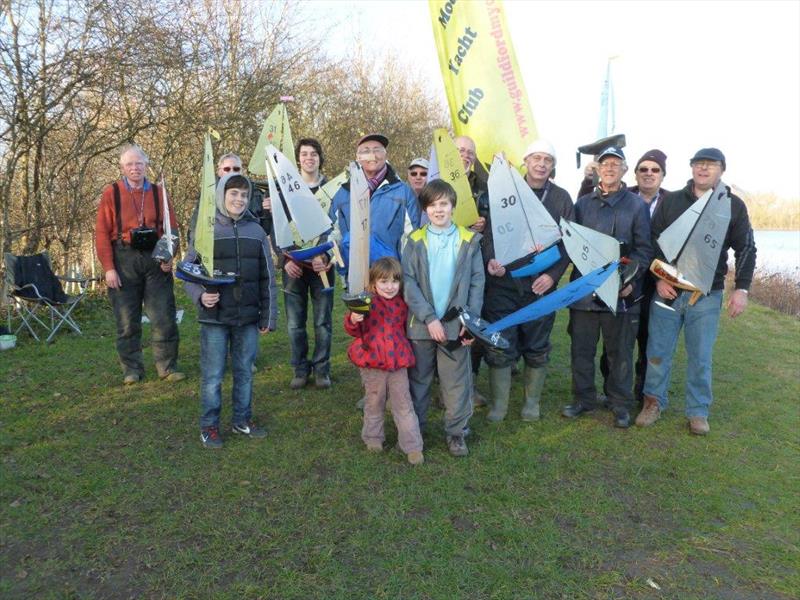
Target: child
pixel 232 317
pixel 442 268
pixel 382 354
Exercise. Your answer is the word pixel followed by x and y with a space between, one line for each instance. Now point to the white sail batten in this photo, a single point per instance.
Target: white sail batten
pixel 358 257
pixel 590 250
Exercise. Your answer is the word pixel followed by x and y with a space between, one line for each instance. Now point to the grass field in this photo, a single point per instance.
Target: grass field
pixel 107 493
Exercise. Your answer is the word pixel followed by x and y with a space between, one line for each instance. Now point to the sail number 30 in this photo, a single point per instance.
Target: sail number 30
pixel 506 202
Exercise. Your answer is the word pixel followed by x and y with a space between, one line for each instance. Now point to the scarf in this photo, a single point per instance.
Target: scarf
pixel 374 182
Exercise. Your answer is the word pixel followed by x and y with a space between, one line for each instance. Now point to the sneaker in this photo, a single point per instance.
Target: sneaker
pixel 650 413
pixel 132 378
pixel 322 382
pixel 298 382
pixel 210 437
pixel 456 445
pixel 174 376
pixel 415 458
pixel 622 418
pixel 575 410
pixel 699 425
pixel 361 402
pixel 253 368
pixel 374 446
pixel 249 429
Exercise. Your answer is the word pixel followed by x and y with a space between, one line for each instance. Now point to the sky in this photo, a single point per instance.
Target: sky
pixel 688 75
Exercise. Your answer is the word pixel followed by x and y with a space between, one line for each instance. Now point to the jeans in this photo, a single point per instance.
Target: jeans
pixel 295 295
pixel 143 281
pixel 700 323
pixel 215 343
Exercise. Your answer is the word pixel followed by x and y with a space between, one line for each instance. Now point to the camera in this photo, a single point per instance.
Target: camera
pixel 144 238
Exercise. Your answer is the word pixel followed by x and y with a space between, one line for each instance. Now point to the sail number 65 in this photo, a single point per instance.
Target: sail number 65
pixel 710 241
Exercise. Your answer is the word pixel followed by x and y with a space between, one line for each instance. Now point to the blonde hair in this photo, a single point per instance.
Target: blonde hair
pixel 385 268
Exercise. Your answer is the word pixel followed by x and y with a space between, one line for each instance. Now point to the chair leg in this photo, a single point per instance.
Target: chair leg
pixel 24 314
pixel 65 317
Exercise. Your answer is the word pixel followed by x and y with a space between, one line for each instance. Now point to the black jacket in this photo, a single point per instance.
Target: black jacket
pixel 739 235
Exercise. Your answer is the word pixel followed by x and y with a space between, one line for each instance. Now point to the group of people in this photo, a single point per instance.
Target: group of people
pixel 423 265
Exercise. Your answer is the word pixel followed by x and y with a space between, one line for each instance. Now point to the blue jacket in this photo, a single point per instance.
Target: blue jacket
pixel 393 211
pixel 622 215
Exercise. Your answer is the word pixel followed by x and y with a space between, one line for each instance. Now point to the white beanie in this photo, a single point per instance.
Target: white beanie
pixel 541 145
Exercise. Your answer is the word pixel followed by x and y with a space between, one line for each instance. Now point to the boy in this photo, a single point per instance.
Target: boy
pixel 232 316
pixel 442 268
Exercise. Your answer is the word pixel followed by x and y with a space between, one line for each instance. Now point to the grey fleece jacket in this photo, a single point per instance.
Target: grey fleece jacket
pixel 466 289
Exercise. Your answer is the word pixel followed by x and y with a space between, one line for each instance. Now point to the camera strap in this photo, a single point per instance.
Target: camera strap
pixel 118 208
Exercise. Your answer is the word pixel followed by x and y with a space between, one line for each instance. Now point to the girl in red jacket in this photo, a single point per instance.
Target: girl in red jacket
pixel 382 353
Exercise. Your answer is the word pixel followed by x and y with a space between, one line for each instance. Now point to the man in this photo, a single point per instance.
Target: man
pixel 477 183
pixel 227 164
pixel 417 175
pixel 700 321
pixel 505 295
pixel 480 193
pixel 129 222
pixel 614 210
pixel 301 281
pixel 649 172
pixel 394 210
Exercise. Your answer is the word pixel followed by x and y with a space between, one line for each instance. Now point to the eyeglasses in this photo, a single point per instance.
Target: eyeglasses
pixel 417 173
pixel 649 169
pixel 229 169
pixel 610 165
pixel 706 164
pixel 373 151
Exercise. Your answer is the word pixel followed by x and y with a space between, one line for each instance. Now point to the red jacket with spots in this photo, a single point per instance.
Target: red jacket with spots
pixel 381 341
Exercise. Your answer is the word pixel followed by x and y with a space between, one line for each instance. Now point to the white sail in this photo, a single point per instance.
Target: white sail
pixel 698 260
pixel 673 238
pixel 280 222
pixel 519 220
pixel 358 257
pixel 433 165
pixel 306 213
pixel 590 250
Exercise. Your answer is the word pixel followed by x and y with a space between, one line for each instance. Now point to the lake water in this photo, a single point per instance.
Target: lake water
pixel 777 251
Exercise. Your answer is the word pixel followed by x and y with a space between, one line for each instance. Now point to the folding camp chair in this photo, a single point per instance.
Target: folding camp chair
pixel 37 297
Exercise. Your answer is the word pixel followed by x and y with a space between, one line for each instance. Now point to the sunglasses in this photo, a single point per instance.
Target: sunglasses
pixel 649 170
pixel 229 169
pixel 418 173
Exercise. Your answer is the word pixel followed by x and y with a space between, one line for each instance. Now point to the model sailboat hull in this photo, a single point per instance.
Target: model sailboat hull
pixel 539 263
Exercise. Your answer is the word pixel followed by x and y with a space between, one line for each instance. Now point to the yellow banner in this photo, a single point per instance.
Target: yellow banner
pixel 487 98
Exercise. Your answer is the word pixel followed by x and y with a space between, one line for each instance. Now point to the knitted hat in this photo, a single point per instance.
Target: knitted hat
pixel 656 156
pixel 543 146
